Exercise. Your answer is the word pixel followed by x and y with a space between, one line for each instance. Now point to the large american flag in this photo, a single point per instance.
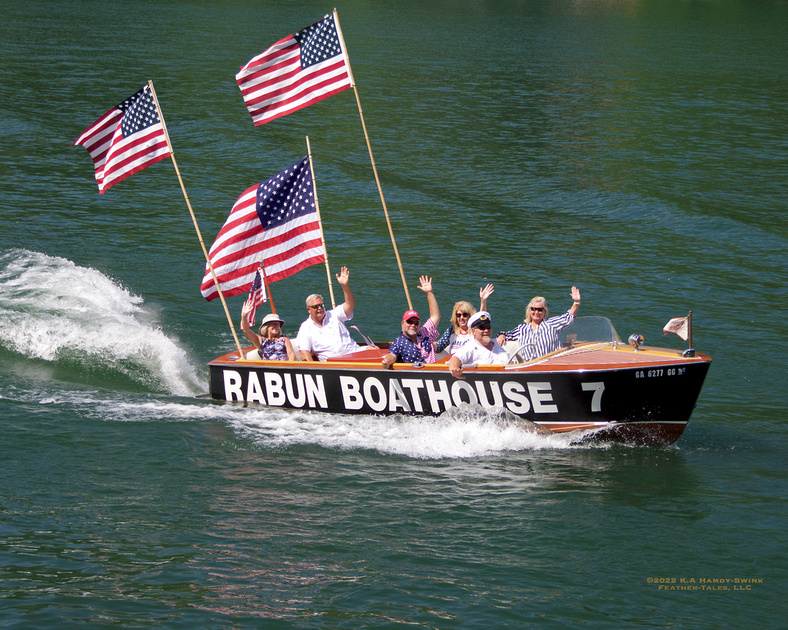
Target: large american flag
pixel 275 221
pixel 127 139
pixel 296 72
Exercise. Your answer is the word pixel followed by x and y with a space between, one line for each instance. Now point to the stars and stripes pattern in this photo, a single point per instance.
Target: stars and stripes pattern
pixel 275 221
pixel 125 140
pixel 297 71
pixel 257 296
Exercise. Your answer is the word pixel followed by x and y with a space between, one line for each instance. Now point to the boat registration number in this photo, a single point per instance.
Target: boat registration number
pixel 660 372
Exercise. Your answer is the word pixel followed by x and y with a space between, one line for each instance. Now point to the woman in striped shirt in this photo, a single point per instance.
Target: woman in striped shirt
pixel 538 334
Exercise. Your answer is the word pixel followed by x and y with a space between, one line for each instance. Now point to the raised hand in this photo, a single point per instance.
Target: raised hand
pixel 425 284
pixel 485 292
pixel 343 277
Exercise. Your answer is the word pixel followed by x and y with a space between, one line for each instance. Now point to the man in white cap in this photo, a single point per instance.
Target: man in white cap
pixel 482 350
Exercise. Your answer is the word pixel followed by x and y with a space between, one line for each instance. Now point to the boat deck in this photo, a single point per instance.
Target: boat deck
pixel 586 356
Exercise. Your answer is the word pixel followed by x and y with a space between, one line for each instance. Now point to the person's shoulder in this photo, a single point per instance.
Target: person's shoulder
pixel 563 317
pixel 400 339
pixel 430 329
pixel 465 351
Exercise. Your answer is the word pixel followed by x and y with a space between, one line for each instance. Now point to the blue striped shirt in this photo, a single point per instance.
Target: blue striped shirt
pixel 544 338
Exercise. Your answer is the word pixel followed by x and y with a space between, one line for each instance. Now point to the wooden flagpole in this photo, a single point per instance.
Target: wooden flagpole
pixel 267 287
pixel 194 220
pixel 320 223
pixel 371 157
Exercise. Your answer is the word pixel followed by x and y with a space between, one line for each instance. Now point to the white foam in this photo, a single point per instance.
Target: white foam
pixel 459 434
pixel 50 306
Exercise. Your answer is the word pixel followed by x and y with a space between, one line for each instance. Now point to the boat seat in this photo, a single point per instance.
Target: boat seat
pixel 366 354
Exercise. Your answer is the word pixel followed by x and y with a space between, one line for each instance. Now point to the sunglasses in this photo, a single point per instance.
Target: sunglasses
pixel 318 306
pixel 412 321
pixel 463 315
pixel 484 326
pixel 538 309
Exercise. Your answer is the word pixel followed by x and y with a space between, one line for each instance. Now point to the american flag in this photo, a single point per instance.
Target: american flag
pixel 297 71
pixel 256 296
pixel 275 221
pixel 127 139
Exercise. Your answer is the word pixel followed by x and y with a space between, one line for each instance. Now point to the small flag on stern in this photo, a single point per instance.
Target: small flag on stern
pixel 678 325
pixel 257 296
pixel 125 140
pixel 275 221
pixel 299 70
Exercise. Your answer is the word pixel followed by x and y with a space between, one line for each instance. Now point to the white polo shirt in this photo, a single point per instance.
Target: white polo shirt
pixel 474 353
pixel 332 339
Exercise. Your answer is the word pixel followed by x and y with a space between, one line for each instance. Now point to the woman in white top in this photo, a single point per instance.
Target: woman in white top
pixel 459 333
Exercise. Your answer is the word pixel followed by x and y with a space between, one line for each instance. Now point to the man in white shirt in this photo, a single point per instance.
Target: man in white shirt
pixel 324 334
pixel 482 350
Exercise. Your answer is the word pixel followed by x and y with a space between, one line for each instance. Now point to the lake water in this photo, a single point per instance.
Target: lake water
pixel 638 150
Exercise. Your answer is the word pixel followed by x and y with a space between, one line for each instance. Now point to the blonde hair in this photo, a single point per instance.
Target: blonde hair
pixel 534 301
pixel 466 307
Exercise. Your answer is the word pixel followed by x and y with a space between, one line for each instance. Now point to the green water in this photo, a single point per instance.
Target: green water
pixel 637 150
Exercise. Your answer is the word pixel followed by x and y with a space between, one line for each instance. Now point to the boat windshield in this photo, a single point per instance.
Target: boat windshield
pixel 589 329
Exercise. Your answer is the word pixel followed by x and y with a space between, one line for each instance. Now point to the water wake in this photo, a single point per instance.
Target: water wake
pixel 467 431
pixel 55 311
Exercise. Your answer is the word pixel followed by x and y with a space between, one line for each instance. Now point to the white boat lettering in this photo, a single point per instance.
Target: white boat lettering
pixel 457 387
pixel 274 387
pixel 297 400
pixel 254 392
pixel 377 402
pixel 351 392
pixel 518 402
pixel 596 399
pixel 404 395
pixel 414 385
pixel 232 385
pixel 436 397
pixel 497 400
pixel 397 399
pixel 309 389
pixel 315 391
pixel 541 398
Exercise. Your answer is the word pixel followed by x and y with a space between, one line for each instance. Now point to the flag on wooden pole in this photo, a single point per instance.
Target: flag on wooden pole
pixel 297 71
pixel 679 326
pixel 275 221
pixel 125 140
pixel 256 297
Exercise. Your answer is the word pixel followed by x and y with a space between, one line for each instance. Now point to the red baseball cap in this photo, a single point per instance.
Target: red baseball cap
pixel 409 314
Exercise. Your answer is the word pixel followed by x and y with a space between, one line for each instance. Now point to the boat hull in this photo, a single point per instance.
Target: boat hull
pixel 611 393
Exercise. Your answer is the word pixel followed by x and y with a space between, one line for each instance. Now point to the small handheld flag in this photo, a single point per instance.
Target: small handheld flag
pixel 256 297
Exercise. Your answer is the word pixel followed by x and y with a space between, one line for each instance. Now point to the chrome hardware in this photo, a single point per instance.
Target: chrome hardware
pixel 636 341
